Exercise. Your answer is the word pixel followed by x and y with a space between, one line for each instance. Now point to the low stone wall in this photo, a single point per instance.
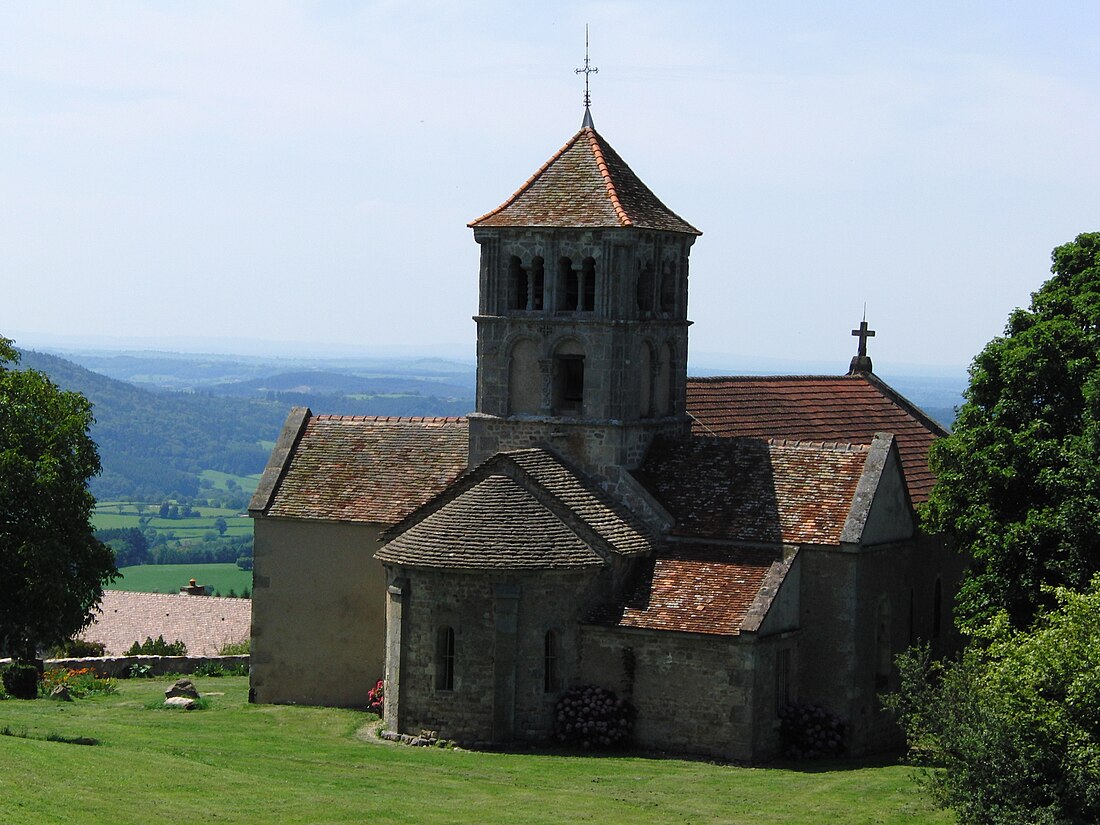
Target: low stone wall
pixel 119 666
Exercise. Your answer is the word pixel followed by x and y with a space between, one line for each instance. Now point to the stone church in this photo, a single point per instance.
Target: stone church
pixel 710 549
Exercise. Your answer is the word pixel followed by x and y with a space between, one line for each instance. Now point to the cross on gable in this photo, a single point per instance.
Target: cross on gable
pixel 863 334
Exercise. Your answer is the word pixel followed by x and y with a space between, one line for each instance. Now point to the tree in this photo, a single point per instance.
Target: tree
pixel 1019 477
pixel 52 568
pixel 1011 733
pixel 221 526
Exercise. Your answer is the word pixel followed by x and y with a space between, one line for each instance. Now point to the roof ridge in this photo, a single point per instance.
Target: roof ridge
pixel 605 173
pixel 393 419
pixel 824 377
pixel 527 184
pixel 808 443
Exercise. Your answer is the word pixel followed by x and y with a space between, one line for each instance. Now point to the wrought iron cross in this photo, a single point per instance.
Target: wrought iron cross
pixel 863 334
pixel 587 70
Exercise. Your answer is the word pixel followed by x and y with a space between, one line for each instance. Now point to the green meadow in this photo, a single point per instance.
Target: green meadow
pixel 112 514
pixel 239 763
pixel 169 578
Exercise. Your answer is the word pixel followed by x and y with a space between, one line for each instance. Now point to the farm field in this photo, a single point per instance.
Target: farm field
pixel 236 763
pixel 113 514
pixel 169 578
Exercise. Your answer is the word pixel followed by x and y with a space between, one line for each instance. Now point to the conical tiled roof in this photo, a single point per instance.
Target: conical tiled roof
pixel 586 184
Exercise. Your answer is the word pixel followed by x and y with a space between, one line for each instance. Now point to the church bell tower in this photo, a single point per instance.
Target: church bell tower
pixel 582 326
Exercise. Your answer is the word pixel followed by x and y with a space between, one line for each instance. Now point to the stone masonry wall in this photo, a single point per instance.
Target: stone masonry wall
pixel 694 693
pixel 500 620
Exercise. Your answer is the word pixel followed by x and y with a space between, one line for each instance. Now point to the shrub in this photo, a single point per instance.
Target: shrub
pixel 376 700
pixel 235 648
pixel 593 717
pixel 157 647
pixel 139 671
pixel 808 731
pixel 210 669
pixel 78 649
pixel 21 680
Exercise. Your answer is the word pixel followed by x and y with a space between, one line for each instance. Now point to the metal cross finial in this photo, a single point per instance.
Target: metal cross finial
pixel 586 71
pixel 863 334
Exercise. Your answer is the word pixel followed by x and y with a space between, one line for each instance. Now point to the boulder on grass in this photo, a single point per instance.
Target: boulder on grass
pixel 185 702
pixel 61 693
pixel 182 687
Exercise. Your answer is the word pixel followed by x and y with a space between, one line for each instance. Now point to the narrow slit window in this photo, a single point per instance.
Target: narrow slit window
pixel 537 283
pixel 782 679
pixel 568 384
pixel 445 659
pixel 569 280
pixel 550 656
pixel 588 276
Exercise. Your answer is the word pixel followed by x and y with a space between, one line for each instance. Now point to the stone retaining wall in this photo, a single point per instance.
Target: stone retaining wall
pixel 119 666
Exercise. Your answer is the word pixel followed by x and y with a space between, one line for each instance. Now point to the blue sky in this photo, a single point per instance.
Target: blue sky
pixel 280 177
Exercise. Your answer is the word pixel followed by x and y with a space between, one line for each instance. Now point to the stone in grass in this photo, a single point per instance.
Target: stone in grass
pixel 61 694
pixel 182 687
pixel 185 702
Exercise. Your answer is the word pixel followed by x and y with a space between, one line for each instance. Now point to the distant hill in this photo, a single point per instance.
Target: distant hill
pixel 153 445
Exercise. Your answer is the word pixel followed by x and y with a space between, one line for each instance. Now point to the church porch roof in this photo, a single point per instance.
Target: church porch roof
pixel 585 185
pixel 825 408
pixel 694 588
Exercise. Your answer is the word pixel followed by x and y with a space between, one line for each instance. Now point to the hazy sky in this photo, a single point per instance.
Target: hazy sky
pixel 303 173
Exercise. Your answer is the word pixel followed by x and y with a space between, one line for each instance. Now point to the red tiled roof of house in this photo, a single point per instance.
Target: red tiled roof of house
pixel 693 589
pixel 845 408
pixel 586 184
pixel 204 623
pixel 753 490
pixel 366 468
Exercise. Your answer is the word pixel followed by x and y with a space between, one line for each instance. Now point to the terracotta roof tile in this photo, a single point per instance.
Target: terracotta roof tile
pixel 203 623
pixel 753 490
pixel 521 509
pixel 369 469
pixel 845 408
pixel 693 589
pixel 586 184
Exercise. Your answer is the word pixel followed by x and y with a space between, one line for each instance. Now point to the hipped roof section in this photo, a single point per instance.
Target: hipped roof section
pixel 585 185
pixel 526 509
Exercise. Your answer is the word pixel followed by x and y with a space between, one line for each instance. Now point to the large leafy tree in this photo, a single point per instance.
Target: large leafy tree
pixel 1010 734
pixel 52 569
pixel 1019 477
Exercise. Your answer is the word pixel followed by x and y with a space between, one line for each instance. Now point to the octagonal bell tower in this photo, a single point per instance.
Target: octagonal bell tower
pixel 582 328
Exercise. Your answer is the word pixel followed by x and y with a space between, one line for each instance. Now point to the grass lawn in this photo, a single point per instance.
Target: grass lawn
pixel 169 578
pixel 241 763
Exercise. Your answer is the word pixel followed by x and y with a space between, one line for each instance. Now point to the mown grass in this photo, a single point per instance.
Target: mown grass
pixel 240 763
pixel 169 578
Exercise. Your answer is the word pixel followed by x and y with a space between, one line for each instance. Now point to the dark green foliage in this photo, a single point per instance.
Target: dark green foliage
pixel 21 680
pixel 1019 477
pixel 52 568
pixel 808 731
pixel 593 717
pixel 1011 733
pixel 78 649
pixel 129 544
pixel 157 647
pixel 217 551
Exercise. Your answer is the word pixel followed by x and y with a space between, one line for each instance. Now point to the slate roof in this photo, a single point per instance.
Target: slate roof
pixel 203 623
pixel 586 184
pixel 693 589
pixel 367 468
pixel 526 509
pixel 754 490
pixel 847 409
